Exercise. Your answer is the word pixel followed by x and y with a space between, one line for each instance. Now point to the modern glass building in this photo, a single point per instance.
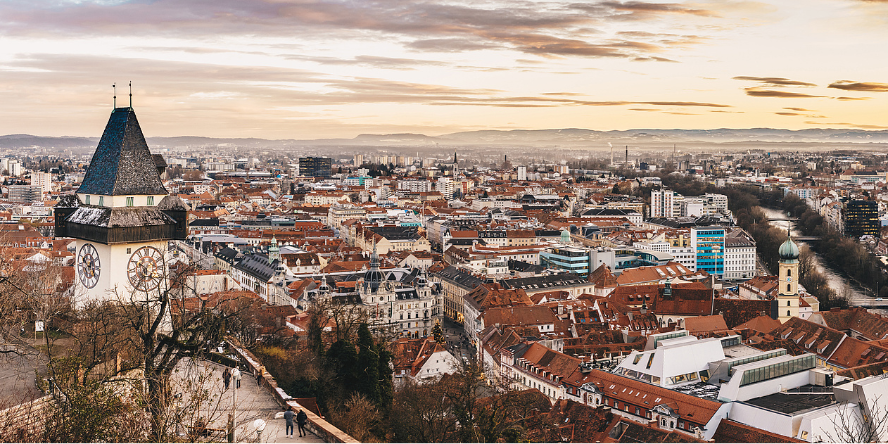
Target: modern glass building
pixel 579 261
pixel 861 218
pixel 315 166
pixel 708 244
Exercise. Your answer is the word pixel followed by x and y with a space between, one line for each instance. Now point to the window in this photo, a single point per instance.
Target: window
pixel 788 313
pixel 789 271
pixel 87 199
pixel 787 303
pixel 101 201
pixel 129 201
pixel 788 287
pixel 150 200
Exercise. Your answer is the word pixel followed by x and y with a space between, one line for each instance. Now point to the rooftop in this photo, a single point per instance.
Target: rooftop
pixel 793 403
pixel 122 163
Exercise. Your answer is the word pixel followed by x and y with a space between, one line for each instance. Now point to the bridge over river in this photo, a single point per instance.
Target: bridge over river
pixel 773 216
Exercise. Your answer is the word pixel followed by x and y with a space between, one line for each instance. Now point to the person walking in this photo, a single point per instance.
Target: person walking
pixel 259 374
pixel 301 417
pixel 226 377
pixel 236 374
pixel 288 416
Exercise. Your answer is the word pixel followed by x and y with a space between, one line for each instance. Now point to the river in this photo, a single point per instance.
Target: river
pixel 857 294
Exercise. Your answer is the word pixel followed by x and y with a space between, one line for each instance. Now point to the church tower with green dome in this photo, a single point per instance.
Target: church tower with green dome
pixel 788 283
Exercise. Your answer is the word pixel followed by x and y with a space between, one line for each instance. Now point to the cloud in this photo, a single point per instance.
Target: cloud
pixel 544 28
pixel 848 85
pixel 775 81
pixel 244 87
pixel 449 45
pixel 798 109
pixel 654 59
pixel 637 10
pixel 702 104
pixel 644 109
pixel 852 98
pixel 852 125
pixel 369 61
pixel 757 92
pixel 788 114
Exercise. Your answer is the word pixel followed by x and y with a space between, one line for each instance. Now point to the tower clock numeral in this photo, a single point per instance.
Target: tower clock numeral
pixel 89 267
pixel 145 268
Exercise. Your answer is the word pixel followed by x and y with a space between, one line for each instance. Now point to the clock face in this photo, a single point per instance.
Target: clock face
pixel 145 268
pixel 88 266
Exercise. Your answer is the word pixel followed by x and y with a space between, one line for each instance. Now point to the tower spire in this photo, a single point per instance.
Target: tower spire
pixel 114 85
pixel 131 93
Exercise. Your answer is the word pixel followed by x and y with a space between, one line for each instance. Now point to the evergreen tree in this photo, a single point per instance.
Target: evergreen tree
pixel 438 333
pixel 342 360
pixel 367 365
pixel 386 386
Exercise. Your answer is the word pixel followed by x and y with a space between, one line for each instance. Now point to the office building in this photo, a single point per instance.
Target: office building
pixel 861 218
pixel 662 203
pixel 708 244
pixel 25 193
pixel 315 166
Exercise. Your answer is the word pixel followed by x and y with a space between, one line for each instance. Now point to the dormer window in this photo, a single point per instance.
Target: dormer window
pixel 101 201
pixel 130 201
pixel 150 200
pixel 87 199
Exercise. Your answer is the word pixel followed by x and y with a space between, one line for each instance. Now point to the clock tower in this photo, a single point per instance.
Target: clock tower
pixel 122 218
pixel 788 281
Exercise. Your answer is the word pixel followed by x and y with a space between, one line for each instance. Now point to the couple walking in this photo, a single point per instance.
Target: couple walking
pixel 228 375
pixel 301 417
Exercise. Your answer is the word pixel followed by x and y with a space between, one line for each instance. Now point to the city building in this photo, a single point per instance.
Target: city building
pixel 708 244
pixel 25 193
pixel 42 180
pixel 579 261
pixel 315 166
pixel 662 203
pixel 861 218
pixel 522 173
pixel 740 255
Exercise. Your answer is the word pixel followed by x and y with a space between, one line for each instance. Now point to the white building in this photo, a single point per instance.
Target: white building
pixel 522 173
pixel 42 180
pixel 662 203
pixel 445 187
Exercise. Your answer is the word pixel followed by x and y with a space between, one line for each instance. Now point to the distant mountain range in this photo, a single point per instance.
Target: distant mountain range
pixel 568 137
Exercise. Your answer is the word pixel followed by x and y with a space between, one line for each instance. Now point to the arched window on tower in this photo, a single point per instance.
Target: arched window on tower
pixel 787 313
pixel 787 303
pixel 788 288
pixel 789 271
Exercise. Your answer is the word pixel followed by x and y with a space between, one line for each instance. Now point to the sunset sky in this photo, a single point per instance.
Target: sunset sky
pixel 314 69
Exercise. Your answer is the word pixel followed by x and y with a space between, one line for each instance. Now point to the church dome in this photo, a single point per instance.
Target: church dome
pixel 789 250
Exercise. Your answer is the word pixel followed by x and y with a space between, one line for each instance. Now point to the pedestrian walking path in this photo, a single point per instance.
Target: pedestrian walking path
pixel 252 402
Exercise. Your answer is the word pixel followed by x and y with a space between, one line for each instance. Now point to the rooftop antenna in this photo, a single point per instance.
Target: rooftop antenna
pixel 115 94
pixel 131 93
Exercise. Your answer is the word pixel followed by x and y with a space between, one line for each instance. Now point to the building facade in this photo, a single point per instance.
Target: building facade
pixel 708 244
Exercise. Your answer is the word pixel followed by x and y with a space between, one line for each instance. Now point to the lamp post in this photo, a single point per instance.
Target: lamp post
pixel 260 426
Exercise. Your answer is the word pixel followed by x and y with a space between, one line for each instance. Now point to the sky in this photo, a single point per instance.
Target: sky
pixel 307 69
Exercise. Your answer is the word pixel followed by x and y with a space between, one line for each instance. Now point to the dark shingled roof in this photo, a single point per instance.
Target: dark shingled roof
pixel 122 163
pixel 119 217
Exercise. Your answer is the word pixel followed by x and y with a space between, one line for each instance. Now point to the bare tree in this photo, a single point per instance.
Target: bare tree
pixel 865 422
pixel 422 413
